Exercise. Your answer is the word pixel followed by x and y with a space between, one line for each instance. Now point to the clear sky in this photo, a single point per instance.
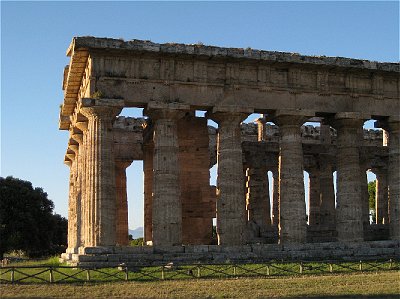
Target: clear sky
pixel 35 36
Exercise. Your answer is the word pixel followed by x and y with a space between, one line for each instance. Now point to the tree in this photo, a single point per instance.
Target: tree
pixel 27 221
pixel 372 194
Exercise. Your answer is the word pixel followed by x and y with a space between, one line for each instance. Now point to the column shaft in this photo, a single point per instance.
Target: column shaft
pixel 349 209
pixel 148 153
pixel 73 242
pixel 167 206
pixel 258 203
pixel 394 179
pixel 381 198
pixel 327 196
pixel 292 207
pixel 364 197
pixel 231 204
pixel 275 197
pixel 314 198
pixel 122 229
pixel 101 196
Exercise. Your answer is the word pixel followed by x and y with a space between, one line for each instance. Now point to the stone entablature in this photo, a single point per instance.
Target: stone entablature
pixel 140 72
pixel 171 82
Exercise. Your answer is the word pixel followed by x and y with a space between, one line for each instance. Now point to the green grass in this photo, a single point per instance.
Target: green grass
pixel 373 285
pixel 39 271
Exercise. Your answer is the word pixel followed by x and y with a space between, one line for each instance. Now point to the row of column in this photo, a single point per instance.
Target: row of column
pixel 100 188
pixel 98 212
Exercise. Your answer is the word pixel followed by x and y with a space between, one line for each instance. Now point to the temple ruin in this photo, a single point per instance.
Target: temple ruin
pixel 178 147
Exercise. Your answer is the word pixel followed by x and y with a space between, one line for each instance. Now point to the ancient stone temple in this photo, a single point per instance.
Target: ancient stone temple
pixel 173 82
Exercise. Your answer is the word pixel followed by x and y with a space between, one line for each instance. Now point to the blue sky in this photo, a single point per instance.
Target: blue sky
pixel 35 36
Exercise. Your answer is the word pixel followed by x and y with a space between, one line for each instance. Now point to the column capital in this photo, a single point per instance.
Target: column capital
pixel 166 114
pixel 159 110
pixel 70 155
pixel 101 112
pixel 379 171
pixel 73 147
pixel 122 163
pixel 390 124
pixel 261 120
pixel 82 125
pixel 287 117
pixel 77 136
pixel 100 108
pixel 233 118
pixel 347 119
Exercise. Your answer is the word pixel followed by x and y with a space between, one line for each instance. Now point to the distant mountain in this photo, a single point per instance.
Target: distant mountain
pixel 136 233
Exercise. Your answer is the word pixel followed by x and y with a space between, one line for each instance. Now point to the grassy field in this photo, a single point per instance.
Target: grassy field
pixel 364 285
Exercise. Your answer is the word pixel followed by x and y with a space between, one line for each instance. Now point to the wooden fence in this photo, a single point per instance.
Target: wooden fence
pixel 66 274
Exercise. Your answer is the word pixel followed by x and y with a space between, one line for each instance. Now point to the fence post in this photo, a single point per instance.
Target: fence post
pixel 268 273
pixel 198 271
pixel 234 269
pixel 88 275
pixel 361 267
pixel 301 268
pixel 51 275
pixel 12 275
pixel 126 273
pixel 162 272
pixel 390 264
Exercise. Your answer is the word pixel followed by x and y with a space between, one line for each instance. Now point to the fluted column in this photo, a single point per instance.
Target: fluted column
pixel 148 154
pixel 258 203
pixel 74 215
pixel 166 205
pixel 364 196
pixel 348 210
pixel 314 197
pixel 381 197
pixel 101 196
pixel 292 207
pixel 121 223
pixel 231 208
pixel 393 128
pixel 275 197
pixel 261 129
pixel 327 193
pixel 72 219
pixel 82 126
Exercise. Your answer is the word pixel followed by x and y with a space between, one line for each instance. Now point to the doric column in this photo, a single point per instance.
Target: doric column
pixel 262 132
pixel 275 196
pixel 258 203
pixel 148 154
pixel 381 196
pixel 122 203
pixel 292 207
pixel 348 210
pixel 393 128
pixel 327 193
pixel 82 126
pixel 167 206
pixel 231 209
pixel 100 165
pixel 72 200
pixel 314 197
pixel 74 205
pixel 364 196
